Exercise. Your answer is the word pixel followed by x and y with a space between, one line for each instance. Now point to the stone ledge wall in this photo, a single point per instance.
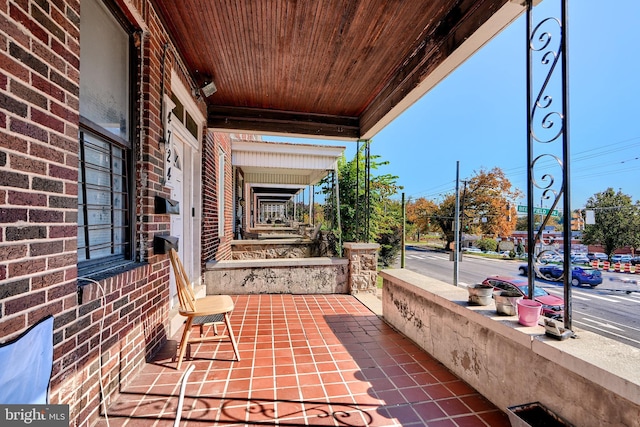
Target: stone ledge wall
pixel 273 249
pixel 278 276
pixel 589 381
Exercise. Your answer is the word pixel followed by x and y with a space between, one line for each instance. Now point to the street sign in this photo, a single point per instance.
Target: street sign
pixel 538 211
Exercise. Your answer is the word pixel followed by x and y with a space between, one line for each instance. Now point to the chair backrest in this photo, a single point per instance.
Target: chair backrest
pixel 186 296
pixel 26 363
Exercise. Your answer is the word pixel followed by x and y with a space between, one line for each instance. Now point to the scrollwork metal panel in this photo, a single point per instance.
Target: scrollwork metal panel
pixel 548 143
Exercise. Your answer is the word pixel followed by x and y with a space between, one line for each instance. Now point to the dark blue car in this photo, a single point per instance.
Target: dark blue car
pixel 579 275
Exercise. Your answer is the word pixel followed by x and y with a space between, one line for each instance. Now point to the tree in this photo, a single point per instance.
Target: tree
pixel 421 214
pixel 489 201
pixel 617 221
pixel 384 214
pixel 487 244
pixel 634 228
pixel 445 218
pixel 522 223
pixel 487 206
pixel 389 232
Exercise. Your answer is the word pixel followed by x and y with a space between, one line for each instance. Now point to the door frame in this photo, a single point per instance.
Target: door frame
pixel 191 206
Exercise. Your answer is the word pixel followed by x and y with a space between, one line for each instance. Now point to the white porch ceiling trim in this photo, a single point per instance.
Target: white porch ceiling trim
pixel 277 179
pixel 278 163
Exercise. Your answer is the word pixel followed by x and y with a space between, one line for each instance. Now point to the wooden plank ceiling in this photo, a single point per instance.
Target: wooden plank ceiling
pixel 325 68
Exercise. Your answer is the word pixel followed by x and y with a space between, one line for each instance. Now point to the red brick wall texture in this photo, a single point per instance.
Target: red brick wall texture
pixel 39 122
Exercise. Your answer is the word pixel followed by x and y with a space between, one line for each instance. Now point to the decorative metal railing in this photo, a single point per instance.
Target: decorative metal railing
pixel 548 142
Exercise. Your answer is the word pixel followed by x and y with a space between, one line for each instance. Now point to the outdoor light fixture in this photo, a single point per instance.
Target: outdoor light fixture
pixel 208 89
pixel 205 85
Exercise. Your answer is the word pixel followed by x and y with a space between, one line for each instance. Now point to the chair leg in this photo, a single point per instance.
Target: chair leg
pixel 184 341
pixel 231 336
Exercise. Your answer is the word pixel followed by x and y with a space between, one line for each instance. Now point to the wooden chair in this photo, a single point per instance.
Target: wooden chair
pixel 213 309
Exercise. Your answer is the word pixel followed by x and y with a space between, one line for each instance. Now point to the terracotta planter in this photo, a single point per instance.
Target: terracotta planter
pixel 480 294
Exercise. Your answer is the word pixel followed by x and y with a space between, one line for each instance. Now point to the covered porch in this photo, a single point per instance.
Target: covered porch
pixel 306 360
pixel 274 186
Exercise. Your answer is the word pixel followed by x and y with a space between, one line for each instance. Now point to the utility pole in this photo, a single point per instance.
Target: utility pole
pixel 456 231
pixel 404 223
pixel 358 234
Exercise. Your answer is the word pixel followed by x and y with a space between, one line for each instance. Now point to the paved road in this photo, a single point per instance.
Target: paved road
pixel 611 309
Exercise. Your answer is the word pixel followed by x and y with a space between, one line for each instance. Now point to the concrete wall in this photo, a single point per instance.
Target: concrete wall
pixel 589 381
pixel 277 276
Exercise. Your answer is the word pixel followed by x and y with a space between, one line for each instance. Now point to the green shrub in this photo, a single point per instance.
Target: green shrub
pixel 487 244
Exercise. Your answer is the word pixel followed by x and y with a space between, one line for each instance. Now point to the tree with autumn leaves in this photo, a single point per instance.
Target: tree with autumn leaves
pixel 421 217
pixel 487 207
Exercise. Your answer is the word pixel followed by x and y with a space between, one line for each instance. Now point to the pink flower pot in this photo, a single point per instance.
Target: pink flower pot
pixel 529 312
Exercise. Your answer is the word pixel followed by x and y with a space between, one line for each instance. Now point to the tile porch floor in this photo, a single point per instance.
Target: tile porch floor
pixel 323 360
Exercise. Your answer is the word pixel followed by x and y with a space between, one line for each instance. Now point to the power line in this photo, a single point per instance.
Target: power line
pixel 517 171
pixel 603 173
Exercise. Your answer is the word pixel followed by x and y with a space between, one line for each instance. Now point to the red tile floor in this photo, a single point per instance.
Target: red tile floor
pixel 319 360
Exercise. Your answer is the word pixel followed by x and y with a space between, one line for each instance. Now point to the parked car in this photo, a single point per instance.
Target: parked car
pixel 600 256
pixel 472 250
pixel 635 260
pixel 579 275
pixel 552 305
pixel 580 259
pixel 623 259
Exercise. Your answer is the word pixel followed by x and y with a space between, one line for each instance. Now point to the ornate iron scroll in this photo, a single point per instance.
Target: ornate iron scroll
pixel 548 144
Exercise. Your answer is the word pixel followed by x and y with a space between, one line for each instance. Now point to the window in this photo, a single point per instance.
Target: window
pixel 102 221
pixel 184 116
pixel 104 195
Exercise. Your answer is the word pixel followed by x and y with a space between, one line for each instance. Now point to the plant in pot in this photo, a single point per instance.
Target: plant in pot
pixel 479 294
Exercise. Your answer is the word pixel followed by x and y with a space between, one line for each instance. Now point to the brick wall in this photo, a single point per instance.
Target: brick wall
pixel 38 161
pixel 224 251
pixel 39 122
pixel 210 235
pixel 214 246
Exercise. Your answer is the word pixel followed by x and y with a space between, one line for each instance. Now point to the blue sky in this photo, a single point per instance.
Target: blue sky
pixel 477 115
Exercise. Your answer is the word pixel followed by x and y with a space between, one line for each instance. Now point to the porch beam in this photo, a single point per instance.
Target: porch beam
pixel 466 28
pixel 266 121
